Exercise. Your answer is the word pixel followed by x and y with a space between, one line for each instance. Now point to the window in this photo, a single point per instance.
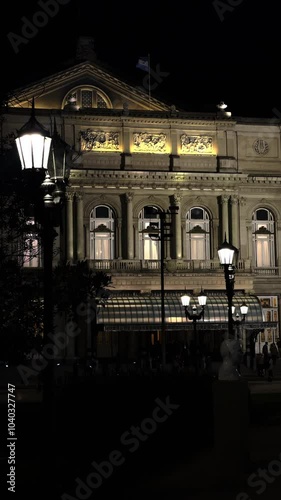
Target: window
pixel 102 231
pixel 149 221
pixel 197 234
pixel 263 230
pixel 31 247
pixel 86 97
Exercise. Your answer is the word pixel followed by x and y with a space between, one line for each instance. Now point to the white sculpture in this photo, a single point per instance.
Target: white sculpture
pixel 231 353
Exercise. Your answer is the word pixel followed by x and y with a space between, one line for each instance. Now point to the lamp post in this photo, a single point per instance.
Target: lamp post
pixel 161 234
pixel 194 314
pixel 237 318
pixel 34 145
pixel 226 253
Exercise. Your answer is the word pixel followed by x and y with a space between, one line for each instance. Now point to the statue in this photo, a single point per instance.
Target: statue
pixel 231 353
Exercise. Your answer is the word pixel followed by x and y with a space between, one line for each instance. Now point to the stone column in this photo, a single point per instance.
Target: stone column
pixel 235 221
pixel 224 214
pixel 137 238
pixel 183 238
pixel 250 241
pixel 278 243
pixel 80 227
pixel 130 233
pixel 69 226
pixel 87 238
pixel 214 230
pixel 119 238
pixel 243 222
pixel 177 226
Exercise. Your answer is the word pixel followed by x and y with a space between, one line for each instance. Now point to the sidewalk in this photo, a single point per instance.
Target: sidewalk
pixel 202 477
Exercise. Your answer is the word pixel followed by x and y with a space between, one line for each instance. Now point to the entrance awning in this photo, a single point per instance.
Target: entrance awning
pixel 143 313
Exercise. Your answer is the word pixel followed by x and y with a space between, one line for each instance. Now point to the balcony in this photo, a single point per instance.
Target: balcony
pixel 171 265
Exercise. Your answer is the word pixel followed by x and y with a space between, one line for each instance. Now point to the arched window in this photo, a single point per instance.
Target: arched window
pixel 197 234
pixel 149 221
pixel 263 230
pixel 86 97
pixel 102 232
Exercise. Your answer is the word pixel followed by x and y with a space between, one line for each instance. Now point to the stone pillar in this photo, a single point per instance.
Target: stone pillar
pixel 278 243
pixel 80 227
pixel 215 245
pixel 137 238
pixel 183 238
pixel 130 234
pixel 69 226
pixel 87 238
pixel 244 250
pixel 177 226
pixel 250 241
pixel 235 221
pixel 224 214
pixel 119 238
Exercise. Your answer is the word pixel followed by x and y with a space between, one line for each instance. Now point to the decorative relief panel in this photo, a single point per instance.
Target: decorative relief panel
pixel 99 140
pixel 196 144
pixel 146 142
pixel 261 147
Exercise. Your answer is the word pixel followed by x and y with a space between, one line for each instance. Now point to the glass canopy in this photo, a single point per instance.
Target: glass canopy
pixel 137 312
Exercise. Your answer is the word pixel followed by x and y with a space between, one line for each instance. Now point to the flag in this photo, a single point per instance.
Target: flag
pixel 143 63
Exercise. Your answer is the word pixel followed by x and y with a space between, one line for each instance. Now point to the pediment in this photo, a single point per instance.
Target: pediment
pixel 53 91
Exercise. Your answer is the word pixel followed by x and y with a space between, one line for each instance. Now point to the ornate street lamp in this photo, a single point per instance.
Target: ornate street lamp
pixel 34 145
pixel 195 314
pixel 227 254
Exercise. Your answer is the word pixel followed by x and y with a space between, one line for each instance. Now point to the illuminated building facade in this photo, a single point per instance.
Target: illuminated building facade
pixel 134 156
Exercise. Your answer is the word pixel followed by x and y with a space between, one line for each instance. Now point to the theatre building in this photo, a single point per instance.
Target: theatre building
pixel 153 192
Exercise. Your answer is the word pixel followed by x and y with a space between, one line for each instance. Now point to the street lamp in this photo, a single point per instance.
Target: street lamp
pixel 34 145
pixel 194 314
pixel 161 235
pixel 238 320
pixel 226 253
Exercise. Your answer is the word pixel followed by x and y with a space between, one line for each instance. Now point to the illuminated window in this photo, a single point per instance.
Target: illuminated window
pixel 263 231
pixel 149 221
pixel 86 97
pixel 197 234
pixel 102 231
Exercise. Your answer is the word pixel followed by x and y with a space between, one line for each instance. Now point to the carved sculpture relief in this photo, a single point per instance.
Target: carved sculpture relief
pixel 146 142
pixel 99 140
pixel 196 144
pixel 261 147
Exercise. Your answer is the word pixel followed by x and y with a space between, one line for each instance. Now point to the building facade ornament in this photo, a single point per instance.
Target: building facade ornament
pixel 260 147
pixel 146 142
pixel 199 144
pixel 99 140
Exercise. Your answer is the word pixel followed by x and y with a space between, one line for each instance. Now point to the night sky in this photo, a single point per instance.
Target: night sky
pixel 202 52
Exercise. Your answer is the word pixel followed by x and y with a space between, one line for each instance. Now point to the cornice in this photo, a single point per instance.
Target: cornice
pixel 156 180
